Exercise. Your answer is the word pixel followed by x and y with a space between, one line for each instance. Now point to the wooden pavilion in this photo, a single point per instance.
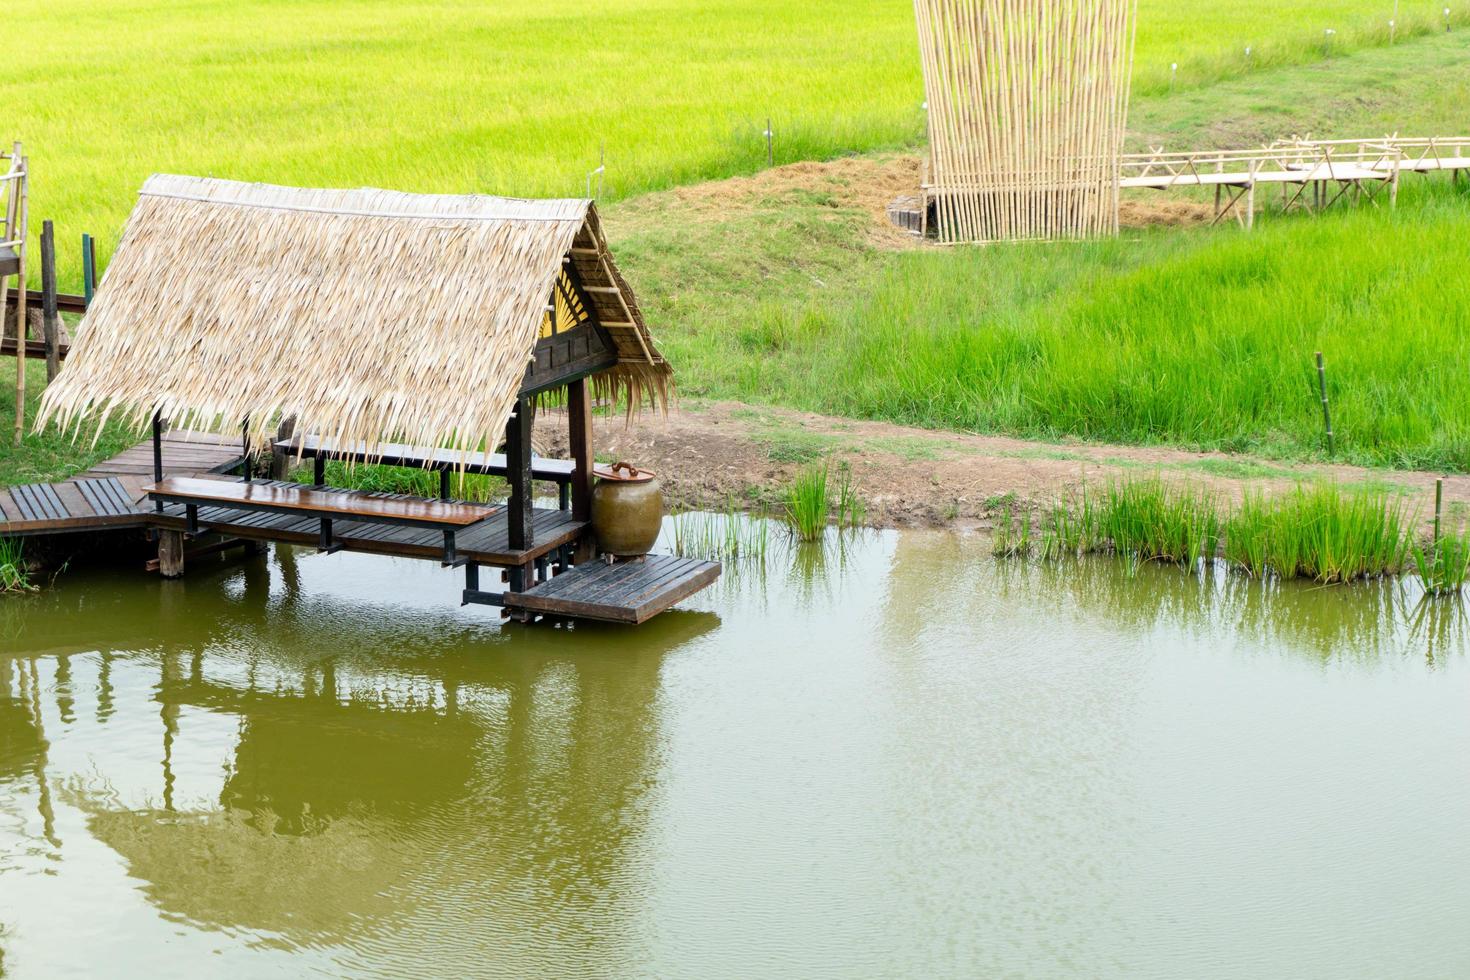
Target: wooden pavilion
pixel 390 327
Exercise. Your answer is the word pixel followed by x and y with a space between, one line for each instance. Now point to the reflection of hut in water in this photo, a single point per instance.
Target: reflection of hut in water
pixel 21 741
pixel 444 793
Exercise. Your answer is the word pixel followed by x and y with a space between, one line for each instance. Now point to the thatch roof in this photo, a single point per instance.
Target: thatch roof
pixel 372 316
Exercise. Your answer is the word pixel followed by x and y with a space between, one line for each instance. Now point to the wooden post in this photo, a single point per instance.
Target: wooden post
pixel 280 462
pixel 579 420
pixel 50 319
pixel 158 455
pixel 89 268
pixel 20 303
pixel 520 532
pixel 171 554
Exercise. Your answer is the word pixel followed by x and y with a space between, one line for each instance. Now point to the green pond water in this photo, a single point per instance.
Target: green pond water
pixel 897 758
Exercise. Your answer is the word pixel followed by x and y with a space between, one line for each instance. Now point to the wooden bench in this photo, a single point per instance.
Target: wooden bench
pixel 445 461
pixel 325 506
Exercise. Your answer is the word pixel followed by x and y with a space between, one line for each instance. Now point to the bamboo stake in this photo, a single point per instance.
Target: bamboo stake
pixel 20 302
pixel 1326 413
pixel 1027 105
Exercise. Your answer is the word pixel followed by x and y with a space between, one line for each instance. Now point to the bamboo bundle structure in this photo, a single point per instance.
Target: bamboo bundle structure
pixel 15 185
pixel 1028 101
pixel 371 316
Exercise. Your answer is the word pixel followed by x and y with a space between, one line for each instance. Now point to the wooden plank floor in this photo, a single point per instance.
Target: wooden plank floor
pixel 629 592
pixel 486 542
pixel 110 494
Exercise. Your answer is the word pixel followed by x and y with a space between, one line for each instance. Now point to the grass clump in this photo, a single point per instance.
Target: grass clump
pixel 807 503
pixel 1012 535
pixel 1444 565
pixel 810 504
pixel 1321 532
pixel 15 576
pixel 729 535
pixel 1150 520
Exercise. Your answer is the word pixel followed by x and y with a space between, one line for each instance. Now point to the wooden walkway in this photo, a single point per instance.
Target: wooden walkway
pixel 110 494
pixel 486 542
pixel 1313 174
pixel 630 592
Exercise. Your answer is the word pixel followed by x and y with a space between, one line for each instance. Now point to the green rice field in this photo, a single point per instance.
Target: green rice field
pixel 1200 338
pixel 524 98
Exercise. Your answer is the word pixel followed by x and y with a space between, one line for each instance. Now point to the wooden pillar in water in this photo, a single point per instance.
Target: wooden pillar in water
pixel 518 474
pixel 579 419
pixel 171 554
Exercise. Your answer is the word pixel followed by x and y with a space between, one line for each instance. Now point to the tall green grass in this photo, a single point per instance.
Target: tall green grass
pixel 523 97
pixel 1317 531
pixel 728 535
pixel 15 576
pixel 414 481
pixel 1322 533
pixel 1443 565
pixel 811 504
pixel 808 504
pixel 1204 340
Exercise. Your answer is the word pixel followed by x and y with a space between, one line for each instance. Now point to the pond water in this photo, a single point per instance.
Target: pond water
pixel 898 757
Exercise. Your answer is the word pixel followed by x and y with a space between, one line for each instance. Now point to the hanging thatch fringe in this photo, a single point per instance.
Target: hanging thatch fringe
pixel 372 316
pixel 1027 100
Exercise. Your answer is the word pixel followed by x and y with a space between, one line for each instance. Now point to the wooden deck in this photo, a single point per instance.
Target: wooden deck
pixel 486 542
pixel 110 494
pixel 629 592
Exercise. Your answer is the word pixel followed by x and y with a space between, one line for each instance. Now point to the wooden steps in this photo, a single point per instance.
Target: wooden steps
pixel 629 592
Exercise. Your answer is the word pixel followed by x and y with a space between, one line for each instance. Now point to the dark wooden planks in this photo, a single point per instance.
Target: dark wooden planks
pixel 39 502
pixel 629 592
pixel 107 497
pixel 484 542
pixel 343 505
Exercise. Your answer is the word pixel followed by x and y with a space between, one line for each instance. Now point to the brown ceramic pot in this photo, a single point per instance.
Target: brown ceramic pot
pixel 627 509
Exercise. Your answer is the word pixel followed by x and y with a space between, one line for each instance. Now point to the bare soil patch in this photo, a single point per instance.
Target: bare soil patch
pixel 711 454
pixel 863 183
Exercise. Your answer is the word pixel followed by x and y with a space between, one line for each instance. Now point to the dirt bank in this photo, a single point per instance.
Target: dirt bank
pixel 708 454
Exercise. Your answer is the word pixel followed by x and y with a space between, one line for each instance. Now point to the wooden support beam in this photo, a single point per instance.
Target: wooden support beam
pixel 579 420
pixel 521 534
pixel 50 318
pixel 281 459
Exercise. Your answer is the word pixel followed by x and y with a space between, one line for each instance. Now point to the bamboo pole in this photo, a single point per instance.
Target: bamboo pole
pixel 20 300
pixel 1027 106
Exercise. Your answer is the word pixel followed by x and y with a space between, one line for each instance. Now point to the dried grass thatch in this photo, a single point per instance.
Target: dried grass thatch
pixel 372 316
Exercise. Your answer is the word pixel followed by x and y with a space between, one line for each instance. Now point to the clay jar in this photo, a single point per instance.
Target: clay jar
pixel 627 509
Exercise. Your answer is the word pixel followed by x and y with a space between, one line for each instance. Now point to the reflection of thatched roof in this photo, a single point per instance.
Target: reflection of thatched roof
pixel 370 315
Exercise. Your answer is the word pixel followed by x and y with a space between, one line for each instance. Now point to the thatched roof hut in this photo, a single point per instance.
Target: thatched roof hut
pixel 371 316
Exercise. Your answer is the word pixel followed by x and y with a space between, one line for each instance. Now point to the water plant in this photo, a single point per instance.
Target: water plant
pixel 1320 531
pixel 1150 520
pixel 1444 565
pixel 14 575
pixel 726 535
pixel 851 511
pixel 1069 528
pixel 1012 535
pixel 807 502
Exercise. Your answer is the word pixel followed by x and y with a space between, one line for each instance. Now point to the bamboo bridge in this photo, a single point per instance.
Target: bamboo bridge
pixel 1313 175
